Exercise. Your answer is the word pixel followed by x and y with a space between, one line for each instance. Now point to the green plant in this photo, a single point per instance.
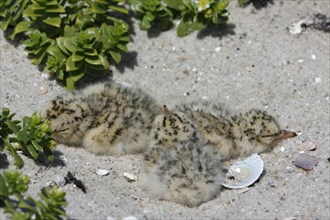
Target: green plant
pixel 48 25
pixel 13 187
pixel 86 52
pixel 194 14
pixel 32 136
pixel 243 2
pixel 152 12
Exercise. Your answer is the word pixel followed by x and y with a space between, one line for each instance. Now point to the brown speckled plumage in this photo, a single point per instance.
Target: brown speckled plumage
pixel 105 118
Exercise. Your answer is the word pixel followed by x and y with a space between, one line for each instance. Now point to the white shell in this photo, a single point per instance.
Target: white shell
pixel 102 172
pixel 244 173
pixel 130 176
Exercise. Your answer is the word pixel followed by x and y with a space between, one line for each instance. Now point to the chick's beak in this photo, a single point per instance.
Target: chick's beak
pixel 284 135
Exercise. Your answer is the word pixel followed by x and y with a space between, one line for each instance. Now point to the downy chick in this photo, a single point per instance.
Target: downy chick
pixel 236 136
pixel 179 166
pixel 105 118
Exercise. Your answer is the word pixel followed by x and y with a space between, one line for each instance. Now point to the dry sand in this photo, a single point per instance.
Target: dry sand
pixel 254 63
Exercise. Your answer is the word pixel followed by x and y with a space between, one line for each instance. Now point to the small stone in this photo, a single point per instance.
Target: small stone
pixel 130 176
pixel 42 90
pixel 306 161
pixel 45 75
pixel 318 80
pixel 102 172
pixel 217 49
pixel 185 72
pixel 182 57
pixel 306 146
pixel 313 56
pixel 130 218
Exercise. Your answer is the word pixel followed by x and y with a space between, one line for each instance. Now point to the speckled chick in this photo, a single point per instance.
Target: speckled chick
pixel 235 135
pixel 179 167
pixel 106 118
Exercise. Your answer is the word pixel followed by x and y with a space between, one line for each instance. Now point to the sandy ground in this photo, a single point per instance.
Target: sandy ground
pixel 253 63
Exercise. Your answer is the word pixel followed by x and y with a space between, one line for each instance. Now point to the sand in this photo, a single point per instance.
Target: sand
pixel 254 63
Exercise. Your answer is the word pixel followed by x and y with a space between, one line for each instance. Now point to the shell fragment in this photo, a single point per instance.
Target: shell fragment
pixel 130 176
pixel 244 173
pixel 306 161
pixel 102 172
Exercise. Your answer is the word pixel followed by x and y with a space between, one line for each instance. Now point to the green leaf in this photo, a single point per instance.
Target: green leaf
pixel 32 151
pixel 55 51
pixel 18 160
pixel 56 22
pixel 70 44
pixel 119 9
pixel 115 56
pixel 98 60
pixel 3 187
pixel 185 27
pixel 37 146
pixel 13 126
pixel 71 65
pixel 122 47
pixel 61 45
pixel 20 27
pixel 77 57
pixel 23 136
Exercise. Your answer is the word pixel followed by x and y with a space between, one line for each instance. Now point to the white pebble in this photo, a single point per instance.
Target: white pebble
pixel 217 49
pixel 102 172
pixel 45 75
pixel 318 80
pixel 194 70
pixel 282 149
pixel 313 56
pixel 300 61
pixel 130 218
pixel 130 176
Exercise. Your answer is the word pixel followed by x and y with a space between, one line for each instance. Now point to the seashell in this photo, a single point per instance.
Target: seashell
pixel 306 161
pixel 130 177
pixel 102 172
pixel 244 173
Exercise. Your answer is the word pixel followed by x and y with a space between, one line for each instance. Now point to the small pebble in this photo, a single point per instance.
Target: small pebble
pixel 306 146
pixel 306 161
pixel 102 172
pixel 45 75
pixel 42 90
pixel 217 49
pixel 130 218
pixel 130 176
pixel 313 56
pixel 318 80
